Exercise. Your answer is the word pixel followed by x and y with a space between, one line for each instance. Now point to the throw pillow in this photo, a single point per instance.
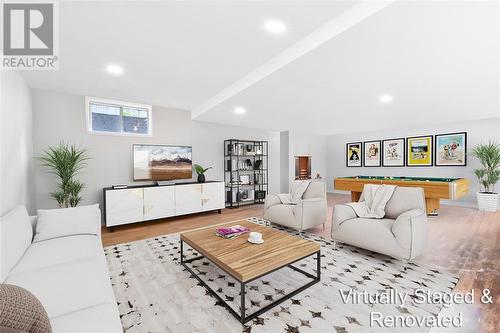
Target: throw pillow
pixel 53 223
pixel 21 311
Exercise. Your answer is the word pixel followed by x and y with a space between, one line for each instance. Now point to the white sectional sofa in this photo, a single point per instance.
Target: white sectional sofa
pixel 63 264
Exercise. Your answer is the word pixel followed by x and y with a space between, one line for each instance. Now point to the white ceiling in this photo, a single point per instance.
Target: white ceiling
pixel 439 60
pixel 175 54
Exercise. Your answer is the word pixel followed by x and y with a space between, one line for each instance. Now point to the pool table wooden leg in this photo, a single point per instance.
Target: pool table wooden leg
pixel 432 206
pixel 355 196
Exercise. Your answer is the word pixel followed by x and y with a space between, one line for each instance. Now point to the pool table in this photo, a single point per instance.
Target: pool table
pixel 434 188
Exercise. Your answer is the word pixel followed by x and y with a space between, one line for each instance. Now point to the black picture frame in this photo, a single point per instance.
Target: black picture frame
pixel 403 140
pixel 379 153
pixel 431 155
pixel 360 153
pixel 436 149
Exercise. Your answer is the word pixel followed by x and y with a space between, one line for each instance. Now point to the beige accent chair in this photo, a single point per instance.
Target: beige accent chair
pixel 401 234
pixel 309 212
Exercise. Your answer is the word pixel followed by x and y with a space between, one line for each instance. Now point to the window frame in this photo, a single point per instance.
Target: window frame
pixel 121 104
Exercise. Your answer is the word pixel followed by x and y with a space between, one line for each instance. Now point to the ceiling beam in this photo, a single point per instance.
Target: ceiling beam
pixel 333 28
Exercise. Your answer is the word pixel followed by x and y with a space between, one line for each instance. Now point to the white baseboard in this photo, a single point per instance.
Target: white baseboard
pixel 468 204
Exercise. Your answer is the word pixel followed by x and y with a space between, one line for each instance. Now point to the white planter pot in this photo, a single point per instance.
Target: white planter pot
pixel 487 201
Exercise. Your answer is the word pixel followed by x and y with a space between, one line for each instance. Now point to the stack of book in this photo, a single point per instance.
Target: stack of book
pixel 231 232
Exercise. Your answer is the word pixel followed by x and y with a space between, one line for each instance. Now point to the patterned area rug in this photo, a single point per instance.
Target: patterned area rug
pixel 156 294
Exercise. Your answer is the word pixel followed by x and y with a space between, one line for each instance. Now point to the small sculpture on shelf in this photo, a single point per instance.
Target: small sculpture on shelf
pixel 201 172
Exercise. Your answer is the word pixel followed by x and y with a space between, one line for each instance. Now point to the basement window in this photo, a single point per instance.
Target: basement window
pixel 106 116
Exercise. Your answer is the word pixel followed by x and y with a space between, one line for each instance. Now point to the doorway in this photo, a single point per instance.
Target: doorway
pixel 302 167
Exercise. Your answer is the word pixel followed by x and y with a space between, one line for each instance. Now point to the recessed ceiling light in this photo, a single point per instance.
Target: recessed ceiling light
pixel 114 69
pixel 385 99
pixel 275 26
pixel 239 110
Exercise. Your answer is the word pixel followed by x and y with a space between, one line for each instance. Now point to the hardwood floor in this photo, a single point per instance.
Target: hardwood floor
pixel 145 230
pixel 462 240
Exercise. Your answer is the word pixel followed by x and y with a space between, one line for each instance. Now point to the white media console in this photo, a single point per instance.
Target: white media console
pixel 144 203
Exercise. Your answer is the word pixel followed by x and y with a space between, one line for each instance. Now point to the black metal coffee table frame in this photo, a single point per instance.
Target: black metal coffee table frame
pixel 241 316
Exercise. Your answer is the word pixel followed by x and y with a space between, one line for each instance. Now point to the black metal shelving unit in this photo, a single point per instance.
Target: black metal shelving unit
pixel 246 164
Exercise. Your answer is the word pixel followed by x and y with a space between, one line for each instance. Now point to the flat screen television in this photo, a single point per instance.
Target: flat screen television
pixel 162 162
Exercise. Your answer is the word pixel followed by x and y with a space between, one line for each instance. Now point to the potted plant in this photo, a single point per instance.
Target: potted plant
pixel 65 161
pixel 201 172
pixel 488 175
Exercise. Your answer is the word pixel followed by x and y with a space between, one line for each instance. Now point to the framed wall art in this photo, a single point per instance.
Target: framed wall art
pixel 371 153
pixel 451 149
pixel 353 154
pixel 393 152
pixel 419 151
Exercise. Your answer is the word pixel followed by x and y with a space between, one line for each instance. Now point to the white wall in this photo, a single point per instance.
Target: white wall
pixel 477 131
pixel 61 117
pixel 17 178
pixel 304 144
pixel 294 143
pixel 274 161
pixel 284 162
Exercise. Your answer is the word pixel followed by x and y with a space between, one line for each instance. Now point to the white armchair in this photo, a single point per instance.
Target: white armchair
pixel 308 212
pixel 401 234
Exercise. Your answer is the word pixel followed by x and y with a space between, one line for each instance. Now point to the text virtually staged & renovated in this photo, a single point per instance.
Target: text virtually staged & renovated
pixel 250 166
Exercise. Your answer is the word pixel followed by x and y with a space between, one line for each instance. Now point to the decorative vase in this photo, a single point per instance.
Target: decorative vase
pixel 487 201
pixel 201 178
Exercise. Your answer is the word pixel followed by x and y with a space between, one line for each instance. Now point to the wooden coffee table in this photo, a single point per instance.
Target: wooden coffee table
pixel 246 262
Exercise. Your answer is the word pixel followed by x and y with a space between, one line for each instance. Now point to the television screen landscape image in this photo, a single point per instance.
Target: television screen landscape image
pixel 162 162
